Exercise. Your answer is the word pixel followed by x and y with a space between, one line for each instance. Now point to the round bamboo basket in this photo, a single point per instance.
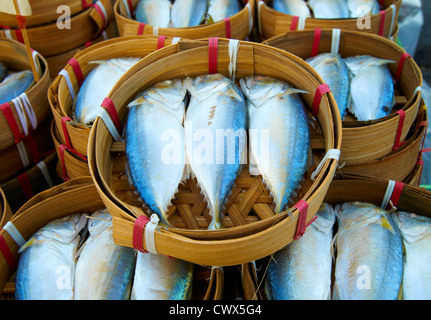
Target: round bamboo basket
pixel 57 62
pixel 365 141
pixel 44 12
pixel 37 145
pixel 38 178
pixel 398 164
pixel 239 27
pixel 59 96
pixel 6 211
pixel 372 190
pixel 14 55
pixel 50 39
pixel 272 23
pixel 252 230
pixel 55 203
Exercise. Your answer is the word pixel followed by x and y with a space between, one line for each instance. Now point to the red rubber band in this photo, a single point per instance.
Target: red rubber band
pixel 24 181
pixel 227 28
pixel 77 70
pixel 397 142
pixel 64 120
pixel 110 107
pixel 400 67
pixel 21 21
pixel 130 5
pixel 212 57
pixel 99 10
pixel 88 44
pixel 138 233
pixel 85 5
pixel 320 91
pixel 32 146
pixel 161 42
pixel 294 23
pixel 19 36
pixel 61 149
pixel 316 42
pixel 396 194
pixel 302 225
pixel 8 114
pixel 382 22
pixel 141 29
pixel 7 254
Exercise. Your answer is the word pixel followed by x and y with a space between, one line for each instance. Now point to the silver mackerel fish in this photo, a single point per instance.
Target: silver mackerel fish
pixel 361 8
pixel 302 269
pixel 292 7
pixel 334 71
pixel 104 270
pixel 416 233
pixel 215 137
pixel 154 137
pixel 97 86
pixel 154 12
pixel 329 9
pixel 279 135
pixel 371 87
pixel 46 266
pixel 15 84
pixel 158 277
pixel 188 13
pixel 369 263
pixel 221 9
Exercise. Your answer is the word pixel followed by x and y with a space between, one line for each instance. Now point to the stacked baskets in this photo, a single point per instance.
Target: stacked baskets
pixel 59 28
pixel 388 147
pixel 26 147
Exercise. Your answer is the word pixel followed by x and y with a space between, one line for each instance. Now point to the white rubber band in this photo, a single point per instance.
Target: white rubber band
pixel 175 40
pixel 394 13
pixel 104 115
pixel 15 234
pixel 29 109
pixel 388 194
pixel 102 7
pixel 23 154
pixel 331 154
pixel 258 16
pixel 335 45
pixel 44 170
pixel 8 34
pixel 233 56
pixel 250 18
pixel 21 114
pixel 150 229
pixel 66 76
pixel 301 22
pixel 155 31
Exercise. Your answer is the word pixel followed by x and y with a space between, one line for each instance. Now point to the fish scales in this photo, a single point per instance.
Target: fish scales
pixel 215 123
pixel 154 12
pixel 188 13
pixel 369 263
pixel 155 144
pixel 292 7
pixel 302 269
pixel 221 9
pixel 279 136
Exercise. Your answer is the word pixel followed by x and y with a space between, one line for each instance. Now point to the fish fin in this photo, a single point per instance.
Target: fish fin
pixel 293 91
pixel 253 166
pixel 208 19
pixel 385 223
pixel 29 243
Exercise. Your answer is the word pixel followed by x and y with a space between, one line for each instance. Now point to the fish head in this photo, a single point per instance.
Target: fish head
pixel 412 226
pixel 358 63
pixel 99 221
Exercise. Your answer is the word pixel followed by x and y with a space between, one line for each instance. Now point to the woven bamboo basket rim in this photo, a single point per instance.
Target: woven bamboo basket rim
pixel 369 189
pixel 54 203
pixel 14 55
pixel 364 141
pixel 197 244
pixel 272 22
pixel 14 191
pixel 43 12
pixel 398 164
pixel 415 176
pixel 49 40
pixel 241 24
pixel 59 96
pixel 10 159
pixel 71 165
pixel 6 212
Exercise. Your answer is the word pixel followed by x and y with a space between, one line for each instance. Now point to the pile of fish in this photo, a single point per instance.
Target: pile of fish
pixel 184 13
pixel 75 258
pixel 327 9
pixel 371 253
pixel 13 83
pixel 197 127
pixel 361 84
pixel 97 86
